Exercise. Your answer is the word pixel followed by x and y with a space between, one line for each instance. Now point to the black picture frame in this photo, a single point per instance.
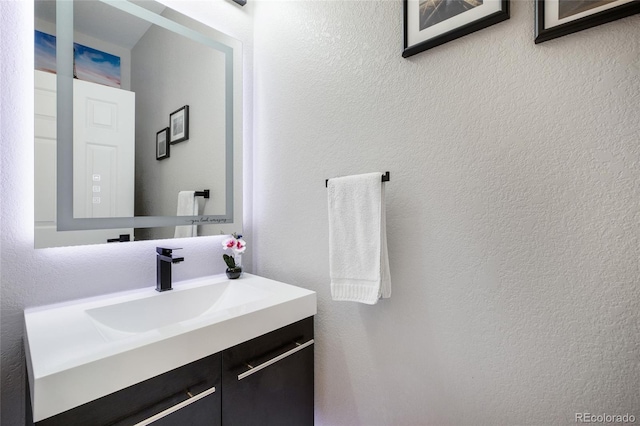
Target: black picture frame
pixel 179 125
pixel 162 144
pixel 547 31
pixel 416 39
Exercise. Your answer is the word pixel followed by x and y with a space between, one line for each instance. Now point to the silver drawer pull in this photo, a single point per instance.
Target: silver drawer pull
pixel 176 407
pixel 252 370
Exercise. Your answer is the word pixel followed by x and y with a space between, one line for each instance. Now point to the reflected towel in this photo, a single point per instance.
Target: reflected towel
pixel 358 258
pixel 187 206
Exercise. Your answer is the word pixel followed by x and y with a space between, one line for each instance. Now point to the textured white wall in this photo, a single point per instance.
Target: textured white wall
pixel 32 277
pixel 513 211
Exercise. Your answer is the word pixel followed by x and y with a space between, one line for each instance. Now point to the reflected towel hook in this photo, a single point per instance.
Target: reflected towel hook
pixel 385 178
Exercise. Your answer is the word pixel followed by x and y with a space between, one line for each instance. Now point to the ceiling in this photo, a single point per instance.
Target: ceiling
pixel 97 19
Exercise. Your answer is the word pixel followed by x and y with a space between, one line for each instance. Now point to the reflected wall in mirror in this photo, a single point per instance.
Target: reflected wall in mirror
pixel 111 75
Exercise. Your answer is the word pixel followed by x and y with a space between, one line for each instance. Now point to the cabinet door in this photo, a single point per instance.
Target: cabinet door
pixel 184 393
pixel 269 380
pixel 202 411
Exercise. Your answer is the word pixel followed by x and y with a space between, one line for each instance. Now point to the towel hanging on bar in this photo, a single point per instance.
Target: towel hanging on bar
pixel 358 257
pixel 188 205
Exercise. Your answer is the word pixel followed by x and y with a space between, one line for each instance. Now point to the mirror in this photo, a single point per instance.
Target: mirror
pixel 138 124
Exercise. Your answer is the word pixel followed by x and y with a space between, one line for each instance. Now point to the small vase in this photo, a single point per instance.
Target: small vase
pixel 234 273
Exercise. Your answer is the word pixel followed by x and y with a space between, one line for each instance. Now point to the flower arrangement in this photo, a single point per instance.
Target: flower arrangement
pixel 237 245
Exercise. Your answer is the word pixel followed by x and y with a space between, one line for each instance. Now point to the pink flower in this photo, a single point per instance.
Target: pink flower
pixel 240 247
pixel 235 243
pixel 229 243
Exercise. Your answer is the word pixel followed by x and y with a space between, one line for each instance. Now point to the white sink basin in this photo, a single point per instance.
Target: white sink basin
pixel 172 307
pixel 85 349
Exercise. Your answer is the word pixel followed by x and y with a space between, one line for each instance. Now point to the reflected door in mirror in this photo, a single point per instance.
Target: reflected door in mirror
pixel 103 151
pixel 46 233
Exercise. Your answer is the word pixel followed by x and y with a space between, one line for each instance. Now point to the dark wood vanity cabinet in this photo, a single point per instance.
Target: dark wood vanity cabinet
pixel 189 395
pixel 269 380
pixel 264 381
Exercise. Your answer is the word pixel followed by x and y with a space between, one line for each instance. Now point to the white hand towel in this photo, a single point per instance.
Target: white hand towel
pixel 187 206
pixel 358 258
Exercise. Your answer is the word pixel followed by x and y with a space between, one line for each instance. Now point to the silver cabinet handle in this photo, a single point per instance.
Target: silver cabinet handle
pixel 177 407
pixel 274 360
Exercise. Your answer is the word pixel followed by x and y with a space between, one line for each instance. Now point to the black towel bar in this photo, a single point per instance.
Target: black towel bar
pixel 204 193
pixel 385 178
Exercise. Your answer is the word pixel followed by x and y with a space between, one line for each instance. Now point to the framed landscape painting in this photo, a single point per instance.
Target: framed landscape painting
pixel 89 64
pixel 430 23
pixel 557 18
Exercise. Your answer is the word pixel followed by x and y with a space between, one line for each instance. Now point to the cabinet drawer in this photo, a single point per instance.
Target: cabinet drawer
pixel 146 399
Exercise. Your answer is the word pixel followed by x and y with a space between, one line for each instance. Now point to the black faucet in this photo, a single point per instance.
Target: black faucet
pixel 163 262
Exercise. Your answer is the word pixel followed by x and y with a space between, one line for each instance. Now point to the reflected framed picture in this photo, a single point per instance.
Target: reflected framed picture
pixel 89 64
pixel 179 125
pixel 162 144
pixel 430 23
pixel 557 18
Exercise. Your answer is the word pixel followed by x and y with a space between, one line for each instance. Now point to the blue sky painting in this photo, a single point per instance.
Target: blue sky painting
pixel 97 66
pixel 90 64
pixel 45 59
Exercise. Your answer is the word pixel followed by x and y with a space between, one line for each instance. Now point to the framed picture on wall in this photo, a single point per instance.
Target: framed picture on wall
pixel 162 144
pixel 557 18
pixel 179 125
pixel 430 23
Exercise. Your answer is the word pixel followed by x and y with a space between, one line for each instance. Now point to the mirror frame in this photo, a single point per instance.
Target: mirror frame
pixel 228 223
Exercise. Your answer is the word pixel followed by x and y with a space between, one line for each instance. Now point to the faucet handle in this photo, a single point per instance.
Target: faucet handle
pixel 166 251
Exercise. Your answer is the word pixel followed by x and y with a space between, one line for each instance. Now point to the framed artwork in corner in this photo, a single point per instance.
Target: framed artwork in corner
pixel 430 23
pixel 557 18
pixel 162 144
pixel 179 125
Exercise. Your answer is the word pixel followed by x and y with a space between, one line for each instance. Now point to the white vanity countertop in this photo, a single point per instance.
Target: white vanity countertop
pixel 74 358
